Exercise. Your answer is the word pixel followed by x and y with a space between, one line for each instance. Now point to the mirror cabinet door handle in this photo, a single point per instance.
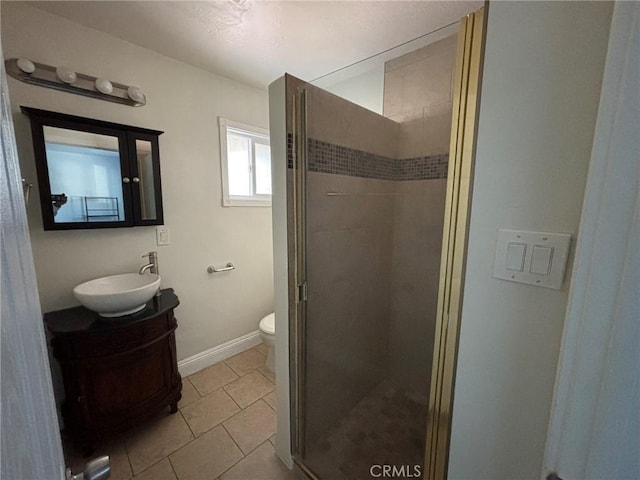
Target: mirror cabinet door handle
pixel 136 180
pixel 125 180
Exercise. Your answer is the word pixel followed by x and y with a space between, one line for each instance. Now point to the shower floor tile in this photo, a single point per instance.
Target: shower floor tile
pixel 387 427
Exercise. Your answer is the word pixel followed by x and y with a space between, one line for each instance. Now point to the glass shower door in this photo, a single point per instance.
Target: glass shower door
pixel 356 418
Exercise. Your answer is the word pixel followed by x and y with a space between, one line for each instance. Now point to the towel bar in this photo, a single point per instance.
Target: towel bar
pixel 228 267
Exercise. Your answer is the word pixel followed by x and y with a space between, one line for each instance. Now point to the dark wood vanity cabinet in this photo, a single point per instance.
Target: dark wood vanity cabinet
pixel 117 373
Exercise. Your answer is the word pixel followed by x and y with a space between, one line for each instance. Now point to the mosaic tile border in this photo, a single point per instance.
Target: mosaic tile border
pixel 326 157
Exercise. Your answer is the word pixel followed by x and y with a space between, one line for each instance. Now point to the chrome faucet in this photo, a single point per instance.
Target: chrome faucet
pixel 152 266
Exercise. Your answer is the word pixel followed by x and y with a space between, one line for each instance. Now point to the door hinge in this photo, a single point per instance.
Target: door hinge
pixel 301 293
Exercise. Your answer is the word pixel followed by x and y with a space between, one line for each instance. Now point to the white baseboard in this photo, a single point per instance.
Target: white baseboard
pixel 193 364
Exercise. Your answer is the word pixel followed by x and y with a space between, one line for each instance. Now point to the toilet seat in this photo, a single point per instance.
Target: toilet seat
pixel 268 324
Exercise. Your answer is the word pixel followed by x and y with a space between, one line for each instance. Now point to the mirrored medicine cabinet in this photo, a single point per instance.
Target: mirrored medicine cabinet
pixel 95 174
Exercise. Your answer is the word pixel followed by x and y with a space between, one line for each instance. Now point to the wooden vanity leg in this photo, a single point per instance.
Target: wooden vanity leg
pixel 174 404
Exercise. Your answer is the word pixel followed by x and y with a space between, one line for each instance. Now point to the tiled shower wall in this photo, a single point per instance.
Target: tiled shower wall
pixel 349 240
pixel 417 241
pixel 399 212
pixel 418 95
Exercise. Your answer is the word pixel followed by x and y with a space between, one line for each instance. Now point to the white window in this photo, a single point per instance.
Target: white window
pixel 246 164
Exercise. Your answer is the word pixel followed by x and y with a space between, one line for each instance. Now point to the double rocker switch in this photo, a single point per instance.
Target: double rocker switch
pixel 541 258
pixel 535 258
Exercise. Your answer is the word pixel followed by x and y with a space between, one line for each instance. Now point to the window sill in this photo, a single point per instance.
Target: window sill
pixel 245 202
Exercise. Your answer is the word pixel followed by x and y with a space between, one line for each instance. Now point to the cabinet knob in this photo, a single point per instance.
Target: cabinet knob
pixel 125 180
pixel 136 180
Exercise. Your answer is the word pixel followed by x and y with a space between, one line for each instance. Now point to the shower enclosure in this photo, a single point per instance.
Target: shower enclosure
pixel 371 228
pixel 365 215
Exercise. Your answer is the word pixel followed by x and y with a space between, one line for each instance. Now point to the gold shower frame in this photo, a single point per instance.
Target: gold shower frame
pixel 466 97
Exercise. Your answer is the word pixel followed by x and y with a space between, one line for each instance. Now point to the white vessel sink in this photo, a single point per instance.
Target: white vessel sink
pixel 118 295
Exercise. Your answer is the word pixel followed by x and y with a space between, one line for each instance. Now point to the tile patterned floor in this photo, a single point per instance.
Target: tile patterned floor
pixel 224 430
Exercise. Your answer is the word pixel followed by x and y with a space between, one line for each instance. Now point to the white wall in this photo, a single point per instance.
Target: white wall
pixel 278 123
pixel 365 89
pixel 541 84
pixel 184 102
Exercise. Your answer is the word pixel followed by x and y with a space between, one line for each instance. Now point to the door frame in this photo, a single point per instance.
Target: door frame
pixel 594 414
pixel 466 107
pixel 31 446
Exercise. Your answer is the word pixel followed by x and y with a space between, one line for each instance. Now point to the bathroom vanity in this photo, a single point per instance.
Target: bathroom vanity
pixel 117 372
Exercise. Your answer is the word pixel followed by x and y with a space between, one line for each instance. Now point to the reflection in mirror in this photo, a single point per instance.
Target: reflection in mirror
pixel 145 180
pixel 84 175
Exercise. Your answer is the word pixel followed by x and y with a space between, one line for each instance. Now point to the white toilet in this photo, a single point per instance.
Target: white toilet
pixel 268 333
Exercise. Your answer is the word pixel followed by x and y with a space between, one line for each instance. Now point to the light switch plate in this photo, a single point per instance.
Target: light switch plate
pixel 162 236
pixel 544 252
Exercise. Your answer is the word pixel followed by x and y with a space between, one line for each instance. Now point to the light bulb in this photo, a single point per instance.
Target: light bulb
pixel 135 94
pixel 26 65
pixel 66 74
pixel 104 86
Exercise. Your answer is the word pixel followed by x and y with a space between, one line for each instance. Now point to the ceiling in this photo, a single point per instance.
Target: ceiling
pixel 255 42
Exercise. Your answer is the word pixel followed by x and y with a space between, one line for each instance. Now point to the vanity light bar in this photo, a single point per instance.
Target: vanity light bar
pixel 65 79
